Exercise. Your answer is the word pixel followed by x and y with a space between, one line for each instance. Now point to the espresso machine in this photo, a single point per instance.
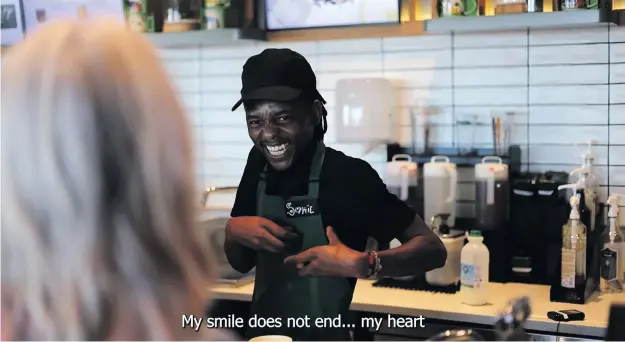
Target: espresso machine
pixel 537 212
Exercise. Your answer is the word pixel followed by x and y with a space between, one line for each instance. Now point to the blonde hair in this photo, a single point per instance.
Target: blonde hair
pixel 98 225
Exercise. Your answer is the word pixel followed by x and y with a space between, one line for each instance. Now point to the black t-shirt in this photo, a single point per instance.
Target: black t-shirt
pixel 352 197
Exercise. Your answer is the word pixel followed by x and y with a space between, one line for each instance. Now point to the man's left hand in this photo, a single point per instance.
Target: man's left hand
pixel 334 260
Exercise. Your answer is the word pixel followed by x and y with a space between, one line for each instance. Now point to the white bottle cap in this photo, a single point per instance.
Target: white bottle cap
pixel 613 201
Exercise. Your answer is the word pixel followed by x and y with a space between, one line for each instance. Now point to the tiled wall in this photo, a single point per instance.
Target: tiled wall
pixel 564 86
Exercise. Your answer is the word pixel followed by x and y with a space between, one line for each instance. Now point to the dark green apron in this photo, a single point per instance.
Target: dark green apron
pixel 279 292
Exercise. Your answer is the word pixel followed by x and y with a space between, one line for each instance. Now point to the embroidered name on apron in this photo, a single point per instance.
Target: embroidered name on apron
pixel 301 208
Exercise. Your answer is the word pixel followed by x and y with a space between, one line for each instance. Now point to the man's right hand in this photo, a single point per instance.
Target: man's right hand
pixel 258 233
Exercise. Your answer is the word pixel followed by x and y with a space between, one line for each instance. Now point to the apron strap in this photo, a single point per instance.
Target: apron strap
pixel 315 170
pixel 260 193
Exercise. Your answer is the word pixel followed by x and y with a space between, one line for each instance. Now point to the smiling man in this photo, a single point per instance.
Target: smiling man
pixel 303 211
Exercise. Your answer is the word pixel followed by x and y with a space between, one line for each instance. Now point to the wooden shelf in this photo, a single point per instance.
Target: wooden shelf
pixel 352 32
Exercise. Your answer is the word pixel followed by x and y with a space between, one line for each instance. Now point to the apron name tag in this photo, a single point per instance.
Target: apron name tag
pixel 301 208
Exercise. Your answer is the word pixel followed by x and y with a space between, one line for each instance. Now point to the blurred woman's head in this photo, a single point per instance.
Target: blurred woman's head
pixel 99 238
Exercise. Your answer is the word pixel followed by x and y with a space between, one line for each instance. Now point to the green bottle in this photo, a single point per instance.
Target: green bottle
pixel 471 8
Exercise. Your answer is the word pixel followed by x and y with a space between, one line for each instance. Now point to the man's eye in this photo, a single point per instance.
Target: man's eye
pixel 283 118
pixel 253 122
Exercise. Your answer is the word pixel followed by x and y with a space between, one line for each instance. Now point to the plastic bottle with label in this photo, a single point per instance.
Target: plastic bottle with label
pixel 573 261
pixel 613 252
pixel 474 270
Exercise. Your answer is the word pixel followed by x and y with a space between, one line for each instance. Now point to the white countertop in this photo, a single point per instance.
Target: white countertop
pixel 448 306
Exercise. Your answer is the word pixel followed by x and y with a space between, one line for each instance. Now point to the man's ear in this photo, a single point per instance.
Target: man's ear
pixel 317 109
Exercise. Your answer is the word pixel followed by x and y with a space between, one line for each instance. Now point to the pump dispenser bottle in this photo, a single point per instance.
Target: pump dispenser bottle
pixel 584 210
pixel 585 190
pixel 588 161
pixel 587 180
pixel 613 252
pixel 573 262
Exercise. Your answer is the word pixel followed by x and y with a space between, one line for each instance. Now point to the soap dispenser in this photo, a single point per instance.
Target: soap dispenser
pixel 613 251
pixel 453 241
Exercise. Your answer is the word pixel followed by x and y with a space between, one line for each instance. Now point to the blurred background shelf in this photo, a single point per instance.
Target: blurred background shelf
pixel 412 28
pixel 526 20
pixel 216 37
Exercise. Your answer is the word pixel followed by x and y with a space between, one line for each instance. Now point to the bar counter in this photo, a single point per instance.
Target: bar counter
pixel 448 307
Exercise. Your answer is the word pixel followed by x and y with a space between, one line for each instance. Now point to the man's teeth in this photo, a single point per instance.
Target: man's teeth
pixel 277 151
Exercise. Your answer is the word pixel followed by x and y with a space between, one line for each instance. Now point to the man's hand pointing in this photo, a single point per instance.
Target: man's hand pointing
pixel 334 260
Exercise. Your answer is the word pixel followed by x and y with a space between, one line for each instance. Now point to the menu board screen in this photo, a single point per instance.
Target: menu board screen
pixel 12 25
pixel 38 12
pixel 294 14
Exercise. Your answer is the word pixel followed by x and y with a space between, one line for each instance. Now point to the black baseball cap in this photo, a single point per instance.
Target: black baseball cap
pixel 280 75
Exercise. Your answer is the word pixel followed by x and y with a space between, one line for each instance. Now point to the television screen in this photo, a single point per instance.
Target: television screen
pixel 296 14
pixel 12 25
pixel 38 12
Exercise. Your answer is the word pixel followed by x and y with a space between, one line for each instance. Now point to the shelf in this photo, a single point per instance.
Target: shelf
pixel 525 20
pixel 457 156
pixel 206 37
pixel 353 32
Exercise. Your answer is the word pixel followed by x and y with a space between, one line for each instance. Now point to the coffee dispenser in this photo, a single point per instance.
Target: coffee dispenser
pixel 537 212
pixel 440 178
pixel 401 178
pixel 491 193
